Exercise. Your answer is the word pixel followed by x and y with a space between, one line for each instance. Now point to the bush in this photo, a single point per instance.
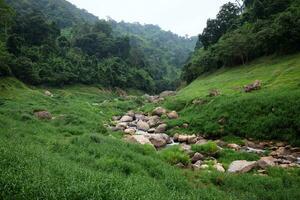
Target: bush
pixel 209 148
pixel 175 155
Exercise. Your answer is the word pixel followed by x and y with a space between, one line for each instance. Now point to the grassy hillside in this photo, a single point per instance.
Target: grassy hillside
pixel 270 113
pixel 74 157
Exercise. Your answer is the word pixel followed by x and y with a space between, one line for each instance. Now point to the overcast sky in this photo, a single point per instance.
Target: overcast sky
pixel 179 16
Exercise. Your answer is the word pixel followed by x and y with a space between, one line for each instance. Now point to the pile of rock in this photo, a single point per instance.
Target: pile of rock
pixel 253 86
pixel 144 128
pixel 158 98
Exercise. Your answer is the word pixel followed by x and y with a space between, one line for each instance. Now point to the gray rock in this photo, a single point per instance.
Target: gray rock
pixel 130 131
pixel 126 118
pixel 265 162
pixel 153 121
pixel 197 165
pixel 219 167
pixel 161 128
pixel 196 157
pixel 173 115
pixel 144 126
pixel 241 166
pixel 141 139
pixel 158 140
pixel 151 130
pixel 159 111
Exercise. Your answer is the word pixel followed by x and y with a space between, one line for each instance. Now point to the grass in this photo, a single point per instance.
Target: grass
pixel 270 113
pixel 74 157
pixel 209 148
pixel 175 155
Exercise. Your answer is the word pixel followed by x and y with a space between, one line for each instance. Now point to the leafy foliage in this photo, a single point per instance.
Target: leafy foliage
pixel 264 27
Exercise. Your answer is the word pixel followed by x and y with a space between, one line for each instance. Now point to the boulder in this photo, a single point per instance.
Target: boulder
pixel 234 146
pixel 158 140
pixel 159 111
pixel 281 151
pixel 186 148
pixel 161 128
pixel 219 167
pixel 43 115
pixel 126 118
pixel 48 93
pixel 130 114
pixel 153 121
pixel 214 93
pixel 192 139
pixel 122 125
pixel 139 132
pixel 173 115
pixel 144 126
pixel 141 139
pixel 130 131
pixel 165 94
pixel 197 156
pixel 241 166
pixel 265 162
pixel 197 165
pixel 139 117
pixel 253 86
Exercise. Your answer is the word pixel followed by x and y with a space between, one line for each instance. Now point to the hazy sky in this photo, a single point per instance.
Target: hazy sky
pixel 179 16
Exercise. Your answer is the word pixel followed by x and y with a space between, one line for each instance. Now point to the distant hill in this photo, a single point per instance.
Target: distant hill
pixel 161 53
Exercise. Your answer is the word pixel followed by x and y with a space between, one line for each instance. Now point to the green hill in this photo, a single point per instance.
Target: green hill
pixel 73 156
pixel 269 113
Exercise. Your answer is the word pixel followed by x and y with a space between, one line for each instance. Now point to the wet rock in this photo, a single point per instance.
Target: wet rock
pixel 234 146
pixel 265 162
pixel 161 128
pixel 159 111
pixel 43 115
pixel 141 125
pixel 173 115
pixel 219 167
pixel 253 86
pixel 241 166
pixel 197 156
pixel 253 150
pixel 126 118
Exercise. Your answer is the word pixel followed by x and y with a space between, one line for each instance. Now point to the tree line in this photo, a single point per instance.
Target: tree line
pixel 41 43
pixel 244 31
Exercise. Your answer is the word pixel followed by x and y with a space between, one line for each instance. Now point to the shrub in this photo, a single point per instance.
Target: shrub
pixel 174 155
pixel 209 148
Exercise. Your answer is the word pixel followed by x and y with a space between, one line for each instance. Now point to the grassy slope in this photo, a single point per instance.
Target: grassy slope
pixel 272 112
pixel 74 157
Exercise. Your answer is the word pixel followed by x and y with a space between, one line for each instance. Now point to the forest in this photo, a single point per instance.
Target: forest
pixel 243 32
pixel 54 43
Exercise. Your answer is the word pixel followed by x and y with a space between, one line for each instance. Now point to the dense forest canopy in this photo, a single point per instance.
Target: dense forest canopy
pixel 244 31
pixel 53 42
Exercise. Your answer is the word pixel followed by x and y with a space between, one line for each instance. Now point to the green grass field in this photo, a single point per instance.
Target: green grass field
pixel 74 157
pixel 270 113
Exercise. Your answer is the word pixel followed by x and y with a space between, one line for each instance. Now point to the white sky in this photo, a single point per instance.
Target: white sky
pixel 179 16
